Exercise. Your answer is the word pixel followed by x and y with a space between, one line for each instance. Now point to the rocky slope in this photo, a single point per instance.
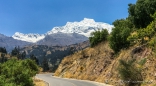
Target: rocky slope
pixel 101 64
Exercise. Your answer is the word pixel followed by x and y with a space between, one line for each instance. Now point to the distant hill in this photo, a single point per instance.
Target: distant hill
pixel 54 54
pixel 62 39
pixel 9 43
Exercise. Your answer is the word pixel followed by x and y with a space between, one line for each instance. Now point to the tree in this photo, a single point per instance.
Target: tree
pixel 140 13
pixel 118 37
pixel 3 50
pixel 15 51
pixel 145 34
pixel 33 57
pixel 45 65
pixel 3 58
pixel 23 55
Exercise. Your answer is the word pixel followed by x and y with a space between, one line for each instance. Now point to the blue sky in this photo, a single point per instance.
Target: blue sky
pixel 40 16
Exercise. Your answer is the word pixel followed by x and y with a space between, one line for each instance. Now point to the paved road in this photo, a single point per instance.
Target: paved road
pixel 54 81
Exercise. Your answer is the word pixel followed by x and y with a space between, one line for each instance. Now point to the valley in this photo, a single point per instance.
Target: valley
pixel 56 44
pixel 79 53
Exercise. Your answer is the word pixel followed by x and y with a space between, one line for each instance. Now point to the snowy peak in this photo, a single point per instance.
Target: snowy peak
pixel 84 27
pixel 28 37
pixel 87 20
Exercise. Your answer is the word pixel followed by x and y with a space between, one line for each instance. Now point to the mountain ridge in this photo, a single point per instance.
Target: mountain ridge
pixel 9 43
pixel 30 37
pixel 84 27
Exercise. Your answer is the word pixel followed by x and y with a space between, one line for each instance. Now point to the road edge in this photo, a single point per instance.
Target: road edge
pixel 47 84
pixel 97 83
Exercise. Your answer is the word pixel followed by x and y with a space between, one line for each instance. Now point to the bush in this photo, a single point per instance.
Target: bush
pixel 145 34
pixel 119 35
pixel 129 72
pixel 18 72
pixel 98 37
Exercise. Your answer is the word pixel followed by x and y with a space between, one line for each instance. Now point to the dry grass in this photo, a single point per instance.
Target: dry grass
pixel 39 82
pixel 86 64
pixel 100 64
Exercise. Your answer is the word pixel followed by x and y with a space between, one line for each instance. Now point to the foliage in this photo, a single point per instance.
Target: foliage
pixel 133 38
pixel 16 52
pixel 3 58
pixel 140 13
pixel 17 72
pixel 98 36
pixel 130 73
pixel 3 50
pixel 152 43
pixel 22 55
pixel 45 65
pixel 145 34
pixel 33 57
pixel 142 16
pixel 119 35
pixel 142 61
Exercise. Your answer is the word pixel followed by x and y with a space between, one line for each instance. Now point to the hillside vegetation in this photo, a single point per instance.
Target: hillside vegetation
pixel 15 70
pixel 125 58
pixel 52 54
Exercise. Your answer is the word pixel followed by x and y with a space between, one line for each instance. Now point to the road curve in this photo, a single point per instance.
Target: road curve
pixel 54 81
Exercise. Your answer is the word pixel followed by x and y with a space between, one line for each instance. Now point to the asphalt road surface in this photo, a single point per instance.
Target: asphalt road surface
pixel 54 81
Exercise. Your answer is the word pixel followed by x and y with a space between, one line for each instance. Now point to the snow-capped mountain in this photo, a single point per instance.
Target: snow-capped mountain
pixel 28 37
pixel 84 27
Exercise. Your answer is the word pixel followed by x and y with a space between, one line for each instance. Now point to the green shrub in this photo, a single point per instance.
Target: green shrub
pixel 142 61
pixel 130 73
pixel 118 37
pixel 143 35
pixel 98 36
pixel 18 72
pixel 133 38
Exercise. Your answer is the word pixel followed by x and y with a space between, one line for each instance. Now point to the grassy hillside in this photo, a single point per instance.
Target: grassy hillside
pixel 101 64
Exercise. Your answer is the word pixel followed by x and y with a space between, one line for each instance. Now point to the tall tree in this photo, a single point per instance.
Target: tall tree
pixel 33 57
pixel 119 35
pixel 23 55
pixel 3 50
pixel 45 65
pixel 15 52
pixel 3 58
pixel 140 13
